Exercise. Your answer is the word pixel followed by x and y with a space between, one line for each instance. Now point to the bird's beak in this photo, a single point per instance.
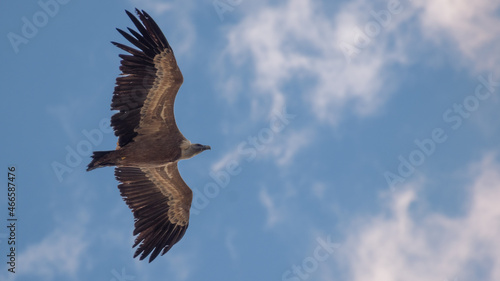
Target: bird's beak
pixel 207 147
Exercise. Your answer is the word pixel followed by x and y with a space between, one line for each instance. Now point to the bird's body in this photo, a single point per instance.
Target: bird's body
pixel 149 142
pixel 140 154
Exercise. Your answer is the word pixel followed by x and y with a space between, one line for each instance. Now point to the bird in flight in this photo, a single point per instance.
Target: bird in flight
pixel 149 142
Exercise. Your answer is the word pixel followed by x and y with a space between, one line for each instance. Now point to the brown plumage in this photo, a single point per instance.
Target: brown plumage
pixel 149 142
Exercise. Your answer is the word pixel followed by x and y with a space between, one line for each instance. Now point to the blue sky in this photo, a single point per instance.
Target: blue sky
pixel 351 140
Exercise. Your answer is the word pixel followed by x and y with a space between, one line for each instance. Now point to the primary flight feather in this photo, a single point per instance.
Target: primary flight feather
pixel 149 142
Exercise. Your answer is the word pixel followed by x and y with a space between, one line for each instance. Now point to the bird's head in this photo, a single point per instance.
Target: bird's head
pixel 194 149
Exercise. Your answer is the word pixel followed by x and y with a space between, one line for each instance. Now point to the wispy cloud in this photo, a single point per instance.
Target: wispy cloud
pixel 472 29
pixel 61 253
pixel 288 145
pixel 273 215
pixel 297 41
pixel 231 156
pixel 155 6
pixel 281 150
pixel 345 60
pixel 273 140
pixel 400 245
pixel 67 112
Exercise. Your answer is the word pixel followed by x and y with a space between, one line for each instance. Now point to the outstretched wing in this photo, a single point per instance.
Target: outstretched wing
pixel 145 92
pixel 160 201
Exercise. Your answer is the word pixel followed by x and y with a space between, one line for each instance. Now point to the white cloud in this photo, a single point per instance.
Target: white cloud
pixel 59 253
pixel 69 111
pixel 299 41
pixel 155 6
pixel 473 28
pixel 281 149
pixel 400 245
pixel 273 215
pixel 63 250
pixel 181 264
pixel 275 141
pixel 231 156
pixel 286 146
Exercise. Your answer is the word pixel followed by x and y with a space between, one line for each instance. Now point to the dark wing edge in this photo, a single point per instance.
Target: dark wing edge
pixel 139 74
pixel 160 201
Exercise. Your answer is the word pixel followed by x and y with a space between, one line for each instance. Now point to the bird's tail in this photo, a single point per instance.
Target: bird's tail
pixel 101 159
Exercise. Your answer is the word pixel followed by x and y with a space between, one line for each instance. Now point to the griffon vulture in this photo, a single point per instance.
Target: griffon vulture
pixel 149 142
